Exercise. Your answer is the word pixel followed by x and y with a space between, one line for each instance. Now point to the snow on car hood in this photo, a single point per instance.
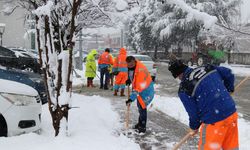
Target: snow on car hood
pixel 7 86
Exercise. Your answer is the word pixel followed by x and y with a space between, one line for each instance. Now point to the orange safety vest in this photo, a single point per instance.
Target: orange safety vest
pixel 105 58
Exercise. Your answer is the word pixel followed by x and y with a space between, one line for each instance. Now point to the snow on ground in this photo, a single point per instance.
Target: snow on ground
pixel 93 126
pixel 173 107
pixel 239 70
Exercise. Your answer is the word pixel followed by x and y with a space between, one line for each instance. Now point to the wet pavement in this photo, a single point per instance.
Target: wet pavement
pixel 165 131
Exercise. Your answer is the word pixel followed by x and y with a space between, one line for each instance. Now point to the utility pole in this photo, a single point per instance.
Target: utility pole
pixel 2 28
pixel 97 46
pixel 121 42
pixel 79 65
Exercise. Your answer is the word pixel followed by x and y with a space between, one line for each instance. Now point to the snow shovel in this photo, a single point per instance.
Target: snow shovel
pixel 77 75
pixel 127 112
pixel 189 134
pixel 94 72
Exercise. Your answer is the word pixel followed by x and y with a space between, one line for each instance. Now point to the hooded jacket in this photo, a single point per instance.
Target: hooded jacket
pixel 120 63
pixel 91 64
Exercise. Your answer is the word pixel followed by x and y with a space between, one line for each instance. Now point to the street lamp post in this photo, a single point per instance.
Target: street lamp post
pixel 2 28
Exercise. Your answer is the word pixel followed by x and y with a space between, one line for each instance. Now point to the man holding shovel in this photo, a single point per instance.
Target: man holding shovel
pixel 205 94
pixel 142 90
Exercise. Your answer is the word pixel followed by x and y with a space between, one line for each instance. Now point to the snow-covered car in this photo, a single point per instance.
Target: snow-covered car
pixel 19 52
pixel 32 79
pixel 149 63
pixel 20 109
pixel 14 59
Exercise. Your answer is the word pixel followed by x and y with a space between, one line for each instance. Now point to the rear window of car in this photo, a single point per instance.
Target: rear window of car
pixel 143 58
pixel 4 52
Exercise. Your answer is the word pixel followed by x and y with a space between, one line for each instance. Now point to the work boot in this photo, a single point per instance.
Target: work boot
pixel 122 92
pixel 88 83
pixel 106 87
pixel 141 129
pixel 115 92
pixel 138 128
pixel 91 84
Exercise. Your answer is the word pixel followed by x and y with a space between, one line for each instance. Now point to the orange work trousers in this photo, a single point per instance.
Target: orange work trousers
pixel 121 78
pixel 220 135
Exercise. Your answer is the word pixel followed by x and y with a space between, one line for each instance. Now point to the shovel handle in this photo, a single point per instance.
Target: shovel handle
pixel 240 84
pixel 127 112
pixel 183 140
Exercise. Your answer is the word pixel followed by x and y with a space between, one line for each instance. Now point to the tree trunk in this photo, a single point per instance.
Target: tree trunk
pixel 155 52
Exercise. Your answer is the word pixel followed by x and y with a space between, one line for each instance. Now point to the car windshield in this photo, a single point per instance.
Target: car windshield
pixel 143 58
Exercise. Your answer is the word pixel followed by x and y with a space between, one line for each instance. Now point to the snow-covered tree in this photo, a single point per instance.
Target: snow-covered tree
pixel 177 22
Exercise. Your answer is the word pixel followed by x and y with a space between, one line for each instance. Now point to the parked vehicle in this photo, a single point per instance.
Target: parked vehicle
pixel 22 68
pixel 149 63
pixel 20 108
pixel 32 79
pixel 25 52
pixel 12 59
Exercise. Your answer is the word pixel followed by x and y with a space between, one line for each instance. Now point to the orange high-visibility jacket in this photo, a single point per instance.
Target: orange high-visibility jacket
pixel 120 63
pixel 142 77
pixel 105 58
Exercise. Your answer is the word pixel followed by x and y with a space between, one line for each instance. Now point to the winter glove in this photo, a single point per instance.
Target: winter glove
pixel 193 132
pixel 116 73
pixel 128 102
pixel 128 82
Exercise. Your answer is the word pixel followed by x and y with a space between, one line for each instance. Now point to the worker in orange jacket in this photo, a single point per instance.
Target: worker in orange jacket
pixel 104 62
pixel 121 71
pixel 142 90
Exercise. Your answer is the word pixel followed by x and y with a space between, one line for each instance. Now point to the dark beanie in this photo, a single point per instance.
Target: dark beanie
pixel 176 67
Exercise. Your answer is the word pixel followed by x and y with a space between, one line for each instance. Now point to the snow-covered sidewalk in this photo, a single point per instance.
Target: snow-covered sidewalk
pixel 93 126
pixel 173 107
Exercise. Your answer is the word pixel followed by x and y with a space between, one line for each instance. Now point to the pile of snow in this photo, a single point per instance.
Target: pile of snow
pixel 93 126
pixel 173 107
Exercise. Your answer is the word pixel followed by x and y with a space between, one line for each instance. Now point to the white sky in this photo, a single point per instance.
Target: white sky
pixel 245 11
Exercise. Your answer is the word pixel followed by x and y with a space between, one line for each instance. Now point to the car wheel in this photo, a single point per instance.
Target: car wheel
pixel 3 127
pixel 29 69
